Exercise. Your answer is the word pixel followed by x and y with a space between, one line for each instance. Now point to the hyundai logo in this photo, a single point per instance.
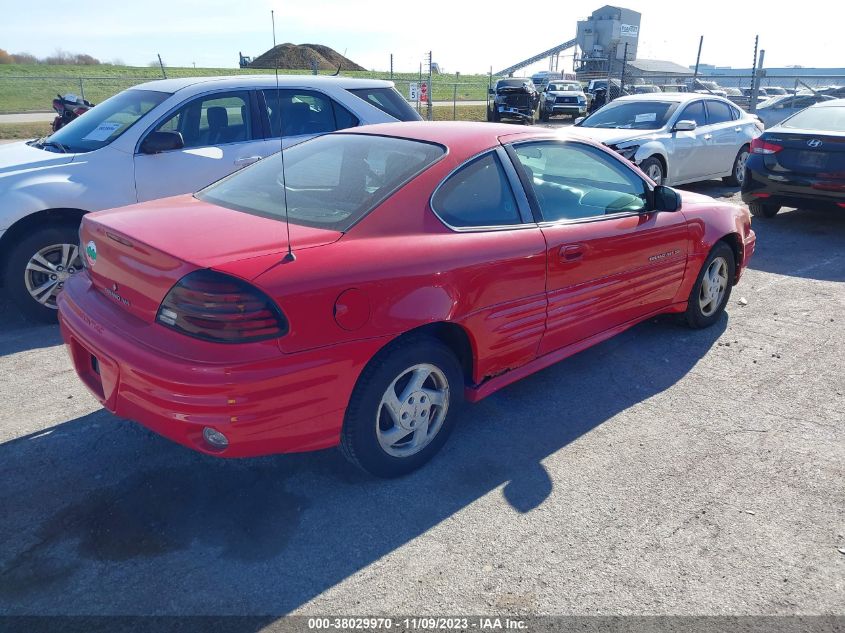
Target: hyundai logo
pixel 814 143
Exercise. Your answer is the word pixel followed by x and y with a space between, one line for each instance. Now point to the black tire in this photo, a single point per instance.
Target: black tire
pixel 15 268
pixel 544 116
pixel 495 115
pixel 489 115
pixel 695 317
pixel 653 163
pixel 359 441
pixel 735 179
pixel 761 210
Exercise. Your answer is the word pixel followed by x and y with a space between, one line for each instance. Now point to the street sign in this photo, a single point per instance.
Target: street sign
pixel 413 91
pixel 424 92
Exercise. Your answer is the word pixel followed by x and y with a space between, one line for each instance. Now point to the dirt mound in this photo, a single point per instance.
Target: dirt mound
pixel 302 57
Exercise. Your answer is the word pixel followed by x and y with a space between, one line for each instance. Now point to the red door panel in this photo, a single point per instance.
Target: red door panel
pixel 606 272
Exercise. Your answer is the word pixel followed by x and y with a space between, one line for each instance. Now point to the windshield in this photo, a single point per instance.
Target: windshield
pixel 824 119
pixel 634 115
pixel 332 181
pixel 104 123
pixel 513 83
pixel 565 87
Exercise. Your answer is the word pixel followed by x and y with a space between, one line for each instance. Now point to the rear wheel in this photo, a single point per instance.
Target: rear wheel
pixel 738 173
pixel 402 408
pixel 712 289
pixel 653 168
pixel 38 267
pixel 762 210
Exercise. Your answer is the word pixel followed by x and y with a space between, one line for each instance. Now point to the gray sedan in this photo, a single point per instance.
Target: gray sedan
pixel 776 109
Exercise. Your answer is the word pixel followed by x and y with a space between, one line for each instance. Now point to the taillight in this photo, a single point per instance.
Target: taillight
pixel 759 146
pixel 216 307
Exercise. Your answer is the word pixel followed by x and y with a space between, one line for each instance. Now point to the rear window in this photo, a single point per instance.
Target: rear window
pixel 825 119
pixel 389 101
pixel 331 181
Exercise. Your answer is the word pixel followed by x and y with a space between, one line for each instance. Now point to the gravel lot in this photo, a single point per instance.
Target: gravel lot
pixel 663 472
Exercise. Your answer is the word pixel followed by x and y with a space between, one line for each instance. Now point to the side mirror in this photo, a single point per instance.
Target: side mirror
pixel 162 142
pixel 491 91
pixel 666 199
pixel 685 126
pixel 579 120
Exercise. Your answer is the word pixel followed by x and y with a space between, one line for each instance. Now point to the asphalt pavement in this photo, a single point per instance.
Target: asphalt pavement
pixel 666 471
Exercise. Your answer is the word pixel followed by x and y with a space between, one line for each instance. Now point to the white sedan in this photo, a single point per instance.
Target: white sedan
pixel 155 140
pixel 677 138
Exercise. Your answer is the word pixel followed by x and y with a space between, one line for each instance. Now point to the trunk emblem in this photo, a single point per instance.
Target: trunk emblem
pixel 814 143
pixel 91 252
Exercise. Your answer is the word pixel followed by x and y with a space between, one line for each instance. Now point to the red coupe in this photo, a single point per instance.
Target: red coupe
pixel 433 263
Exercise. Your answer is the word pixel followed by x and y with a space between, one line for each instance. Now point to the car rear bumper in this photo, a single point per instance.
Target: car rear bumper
pixel 285 403
pixel 762 185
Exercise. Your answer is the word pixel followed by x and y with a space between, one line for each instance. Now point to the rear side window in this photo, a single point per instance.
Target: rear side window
pixel 825 119
pixel 389 101
pixel 477 195
pixel 299 112
pixel 718 112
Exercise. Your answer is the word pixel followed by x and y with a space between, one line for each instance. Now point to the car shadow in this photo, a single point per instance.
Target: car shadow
pixel 18 335
pixel 101 516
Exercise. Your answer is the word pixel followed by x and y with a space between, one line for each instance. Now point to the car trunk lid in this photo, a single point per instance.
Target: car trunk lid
pixel 821 155
pixel 136 254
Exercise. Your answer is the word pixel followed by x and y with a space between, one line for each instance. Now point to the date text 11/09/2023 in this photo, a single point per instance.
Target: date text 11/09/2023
pixel 480 623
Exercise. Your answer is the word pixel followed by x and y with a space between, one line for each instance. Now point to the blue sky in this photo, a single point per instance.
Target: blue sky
pixel 466 36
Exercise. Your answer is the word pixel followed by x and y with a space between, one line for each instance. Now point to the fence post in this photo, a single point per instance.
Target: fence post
pixel 81 89
pixel 455 98
pixel 622 74
pixel 755 86
pixel 430 90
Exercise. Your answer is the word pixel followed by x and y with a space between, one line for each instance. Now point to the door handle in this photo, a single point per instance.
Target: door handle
pixel 737 129
pixel 708 137
pixel 571 253
pixel 247 160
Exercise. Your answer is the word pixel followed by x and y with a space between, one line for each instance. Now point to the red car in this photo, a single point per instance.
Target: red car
pixel 434 263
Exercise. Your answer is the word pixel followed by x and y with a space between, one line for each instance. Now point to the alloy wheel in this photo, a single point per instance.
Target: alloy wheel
pixel 412 410
pixel 739 168
pixel 655 173
pixel 48 270
pixel 713 286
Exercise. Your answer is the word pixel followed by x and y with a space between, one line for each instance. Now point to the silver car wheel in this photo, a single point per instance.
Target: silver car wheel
pixel 739 168
pixel 713 286
pixel 412 410
pixel 48 270
pixel 655 173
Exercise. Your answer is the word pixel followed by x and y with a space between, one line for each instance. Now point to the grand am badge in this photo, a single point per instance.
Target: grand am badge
pixel 91 252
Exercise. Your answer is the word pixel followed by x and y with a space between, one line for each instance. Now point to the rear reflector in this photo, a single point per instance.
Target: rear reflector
pixel 840 204
pixel 762 195
pixel 759 146
pixel 215 307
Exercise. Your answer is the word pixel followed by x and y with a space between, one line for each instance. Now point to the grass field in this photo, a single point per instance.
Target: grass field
pixel 23 131
pixel 32 87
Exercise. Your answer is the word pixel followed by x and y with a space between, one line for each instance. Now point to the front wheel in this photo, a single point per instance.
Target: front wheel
pixel 712 289
pixel 738 173
pixel 38 267
pixel 402 408
pixel 653 168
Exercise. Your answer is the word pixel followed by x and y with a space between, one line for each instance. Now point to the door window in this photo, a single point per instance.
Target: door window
pixel 694 112
pixel 477 195
pixel 305 112
pixel 718 112
pixel 211 120
pixel 573 181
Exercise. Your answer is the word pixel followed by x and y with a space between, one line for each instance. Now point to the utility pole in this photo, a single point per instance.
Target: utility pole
pixel 624 63
pixel 753 70
pixel 391 66
pixel 273 21
pixel 755 88
pixel 697 61
pixel 161 65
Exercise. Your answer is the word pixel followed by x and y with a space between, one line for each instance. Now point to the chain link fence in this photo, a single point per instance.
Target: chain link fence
pixel 36 93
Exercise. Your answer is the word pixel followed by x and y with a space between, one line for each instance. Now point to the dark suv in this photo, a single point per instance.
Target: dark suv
pixel 513 99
